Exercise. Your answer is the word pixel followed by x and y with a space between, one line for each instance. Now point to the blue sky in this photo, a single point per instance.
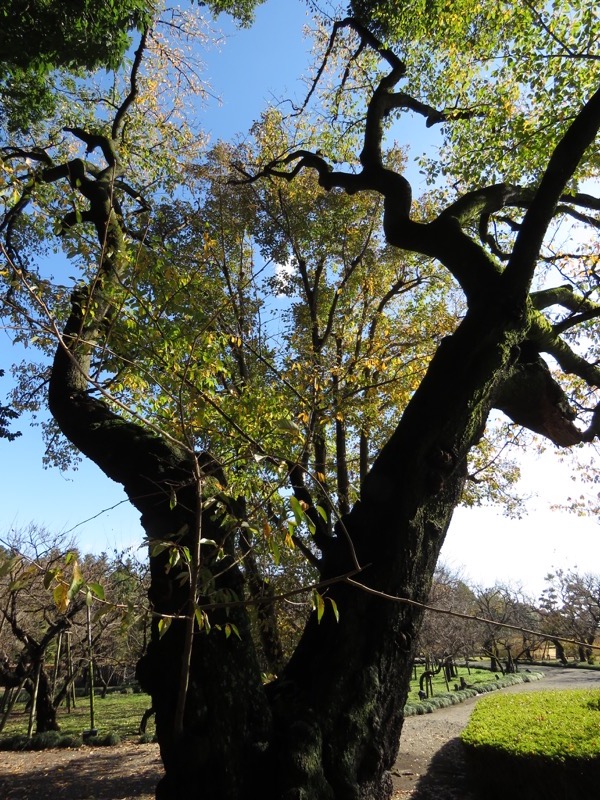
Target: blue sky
pixel 252 68
pixel 245 72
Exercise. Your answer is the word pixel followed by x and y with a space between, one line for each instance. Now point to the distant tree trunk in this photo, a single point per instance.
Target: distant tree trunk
pixel 586 653
pixel 510 664
pixel 495 663
pixel 45 710
pixel 560 651
pixel 590 652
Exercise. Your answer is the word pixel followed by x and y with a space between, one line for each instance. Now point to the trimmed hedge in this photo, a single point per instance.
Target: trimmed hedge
pixel 454 698
pixel 50 739
pixel 542 745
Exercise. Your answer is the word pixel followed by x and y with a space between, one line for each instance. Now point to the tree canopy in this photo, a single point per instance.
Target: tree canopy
pixel 41 39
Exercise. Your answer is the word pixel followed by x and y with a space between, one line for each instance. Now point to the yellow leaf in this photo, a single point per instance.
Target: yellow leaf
pixel 61 597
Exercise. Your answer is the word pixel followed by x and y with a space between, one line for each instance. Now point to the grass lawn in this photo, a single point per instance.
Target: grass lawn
pixel 544 745
pixel 439 684
pixel 554 724
pixel 121 713
pixel 116 713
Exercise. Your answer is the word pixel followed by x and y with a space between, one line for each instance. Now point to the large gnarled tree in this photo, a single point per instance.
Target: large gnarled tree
pixel 328 725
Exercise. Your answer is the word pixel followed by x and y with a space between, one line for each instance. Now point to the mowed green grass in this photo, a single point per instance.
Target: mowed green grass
pixel 556 725
pixel 541 745
pixel 122 713
pixel 116 713
pixel 475 677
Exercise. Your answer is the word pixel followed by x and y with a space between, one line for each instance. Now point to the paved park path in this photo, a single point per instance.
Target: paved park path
pixel 431 763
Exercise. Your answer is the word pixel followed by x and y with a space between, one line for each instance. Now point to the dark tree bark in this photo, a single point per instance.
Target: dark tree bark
pixel 560 651
pixel 45 709
pixel 328 727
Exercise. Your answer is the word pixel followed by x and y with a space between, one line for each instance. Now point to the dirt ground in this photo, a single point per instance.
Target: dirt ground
pixel 430 765
pixel 126 772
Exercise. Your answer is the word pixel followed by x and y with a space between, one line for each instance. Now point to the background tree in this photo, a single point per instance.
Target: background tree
pixel 504 646
pixel 443 637
pixel 122 632
pixel 32 619
pixel 571 607
pixel 45 586
pixel 43 40
pixel 7 414
pixel 161 377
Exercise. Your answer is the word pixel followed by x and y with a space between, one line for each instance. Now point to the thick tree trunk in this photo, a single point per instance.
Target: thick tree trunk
pixel 329 726
pixel 337 706
pixel 45 710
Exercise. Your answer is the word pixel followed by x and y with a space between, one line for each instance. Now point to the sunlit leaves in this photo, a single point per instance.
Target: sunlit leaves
pixel 320 602
pixel 522 70
pixel 42 37
pixel 164 623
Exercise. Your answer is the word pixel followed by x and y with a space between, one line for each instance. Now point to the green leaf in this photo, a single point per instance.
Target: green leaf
pixel 102 611
pixel 7 565
pixel 187 555
pixel 297 510
pixel 319 605
pixel 97 590
pixel 164 623
pixel 334 607
pixel 275 550
pixel 287 426
pixel 77 581
pixel 202 620
pixel 50 576
pixel 322 513
pixel 231 628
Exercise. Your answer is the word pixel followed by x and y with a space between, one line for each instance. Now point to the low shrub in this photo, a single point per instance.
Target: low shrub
pixel 110 739
pixel 17 742
pixel 543 745
pixel 69 740
pixel 44 741
pixel 50 739
pixel 40 741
